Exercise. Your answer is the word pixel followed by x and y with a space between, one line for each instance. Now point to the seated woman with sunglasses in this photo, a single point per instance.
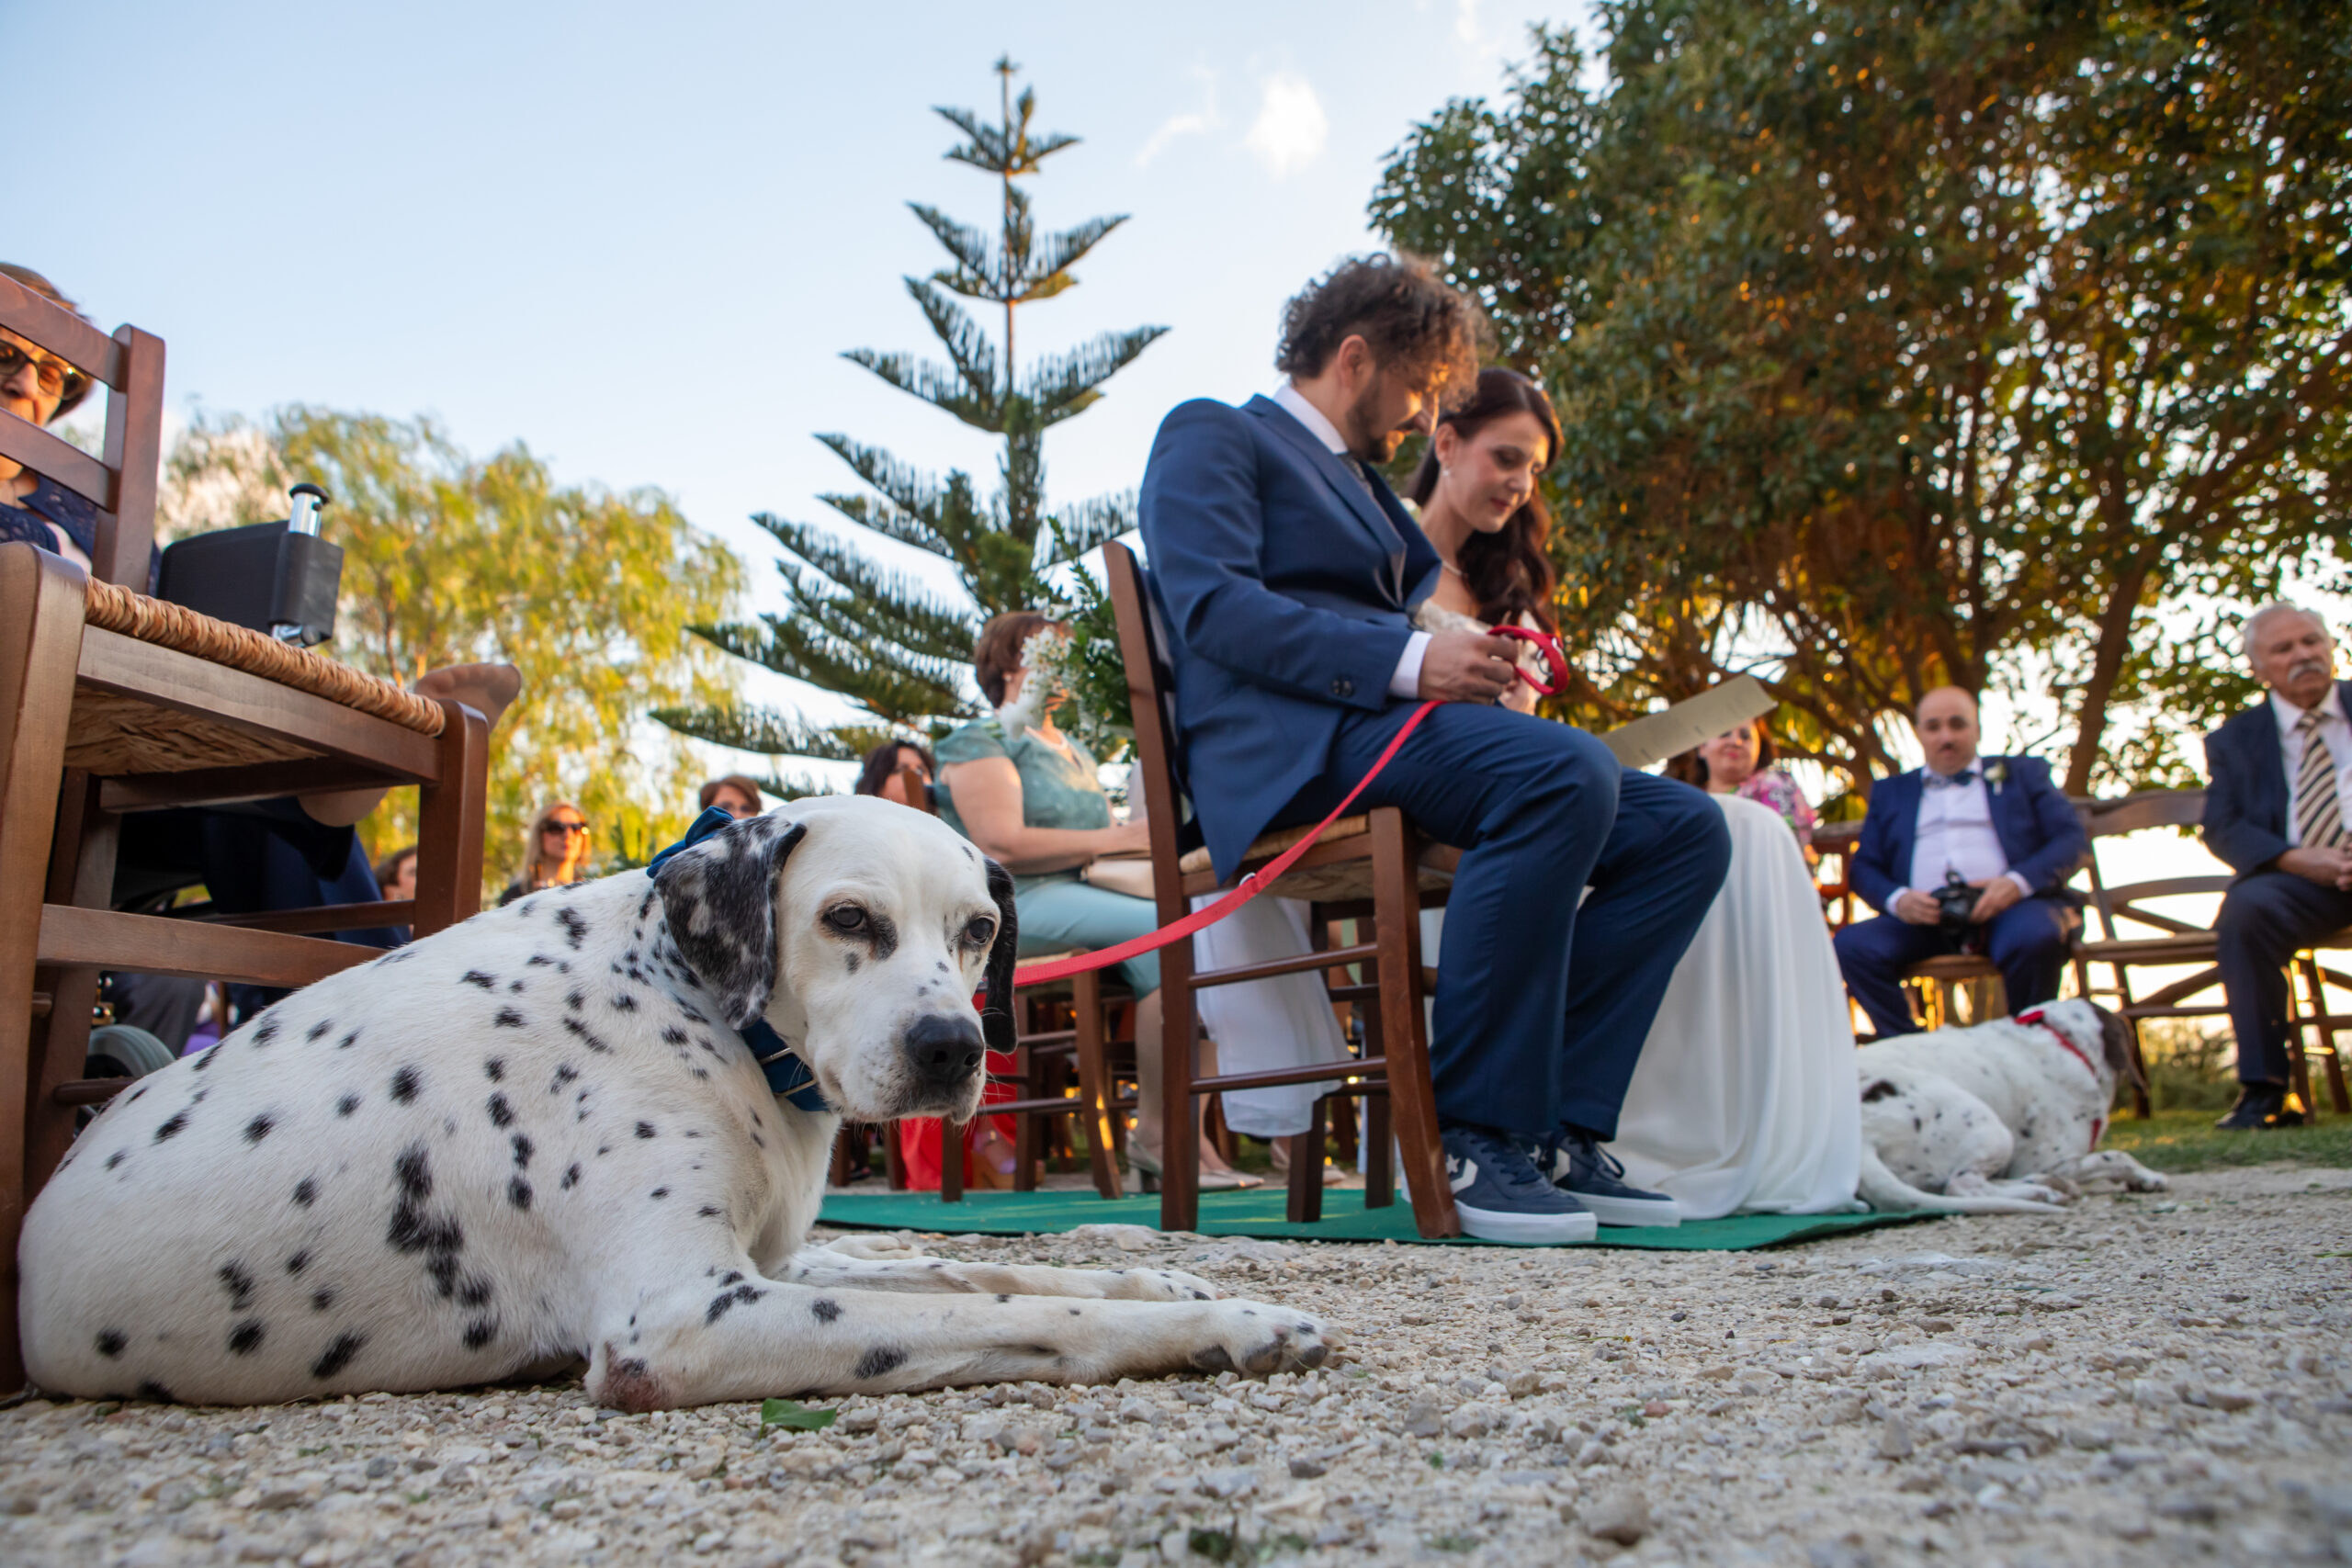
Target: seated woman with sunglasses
pixel 555 852
pixel 40 389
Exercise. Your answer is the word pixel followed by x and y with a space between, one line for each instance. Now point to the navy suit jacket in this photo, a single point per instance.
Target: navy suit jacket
pixel 2039 830
pixel 2245 806
pixel 1286 591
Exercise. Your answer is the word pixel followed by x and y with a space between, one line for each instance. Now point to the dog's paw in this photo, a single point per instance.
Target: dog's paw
pixel 872 1248
pixel 1159 1285
pixel 2146 1181
pixel 1258 1340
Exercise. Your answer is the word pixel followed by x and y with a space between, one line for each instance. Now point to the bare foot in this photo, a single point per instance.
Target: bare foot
pixel 488 689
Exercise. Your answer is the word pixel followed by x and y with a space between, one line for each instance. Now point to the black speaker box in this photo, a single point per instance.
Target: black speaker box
pixel 264 577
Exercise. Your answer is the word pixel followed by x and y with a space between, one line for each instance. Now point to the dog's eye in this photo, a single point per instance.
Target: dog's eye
pixel 845 918
pixel 980 932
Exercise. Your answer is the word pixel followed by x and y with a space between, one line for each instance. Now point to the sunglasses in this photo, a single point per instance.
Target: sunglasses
pixel 57 378
pixel 566 828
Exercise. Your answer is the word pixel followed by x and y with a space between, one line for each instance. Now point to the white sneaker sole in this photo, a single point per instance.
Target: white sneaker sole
pixel 1528 1230
pixel 1657 1212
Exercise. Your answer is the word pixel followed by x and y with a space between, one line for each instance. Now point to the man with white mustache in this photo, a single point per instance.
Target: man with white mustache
pixel 2275 812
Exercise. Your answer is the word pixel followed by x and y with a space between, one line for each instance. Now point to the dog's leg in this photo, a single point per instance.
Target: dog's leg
pixel 1889 1193
pixel 2112 1164
pixel 826 1267
pixel 871 1245
pixel 756 1338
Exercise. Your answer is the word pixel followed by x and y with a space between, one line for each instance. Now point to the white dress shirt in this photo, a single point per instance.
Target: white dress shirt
pixel 1405 680
pixel 2334 730
pixel 1955 833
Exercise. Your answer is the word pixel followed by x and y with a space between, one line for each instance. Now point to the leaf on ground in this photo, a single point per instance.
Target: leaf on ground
pixel 791 1413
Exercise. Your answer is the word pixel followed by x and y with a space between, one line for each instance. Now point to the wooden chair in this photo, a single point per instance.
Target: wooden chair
pixel 1371 867
pixel 112 703
pixel 2319 1022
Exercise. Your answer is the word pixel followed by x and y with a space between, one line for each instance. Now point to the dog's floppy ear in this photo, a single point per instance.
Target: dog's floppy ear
pixel 996 1014
pixel 718 895
pixel 2114 1045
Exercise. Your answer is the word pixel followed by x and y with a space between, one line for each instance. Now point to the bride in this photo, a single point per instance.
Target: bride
pixel 1744 1097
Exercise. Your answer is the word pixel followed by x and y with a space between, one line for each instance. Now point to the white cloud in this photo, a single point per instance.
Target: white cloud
pixel 1174 126
pixel 1291 126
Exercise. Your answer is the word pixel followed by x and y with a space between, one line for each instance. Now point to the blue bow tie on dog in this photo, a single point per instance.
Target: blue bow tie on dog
pixel 788 1075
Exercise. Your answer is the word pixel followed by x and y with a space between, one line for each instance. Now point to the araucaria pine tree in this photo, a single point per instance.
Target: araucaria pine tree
pixel 871 633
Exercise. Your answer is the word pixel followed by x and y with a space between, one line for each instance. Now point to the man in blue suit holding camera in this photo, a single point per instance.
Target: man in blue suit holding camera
pixel 1999 826
pixel 1287 571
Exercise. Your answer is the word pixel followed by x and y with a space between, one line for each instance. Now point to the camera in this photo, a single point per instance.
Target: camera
pixel 1954 902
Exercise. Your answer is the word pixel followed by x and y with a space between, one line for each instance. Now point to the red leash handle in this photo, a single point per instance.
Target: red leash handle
pixel 1252 885
pixel 1549 647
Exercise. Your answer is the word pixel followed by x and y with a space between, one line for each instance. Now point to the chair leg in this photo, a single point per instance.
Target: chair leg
pixel 1180 1144
pixel 81 873
pixel 839 1173
pixel 1306 1156
pixel 2324 1022
pixel 1030 1072
pixel 1397 903
pixel 894 1158
pixel 951 1158
pixel 1379 1154
pixel 1094 1086
pixel 449 825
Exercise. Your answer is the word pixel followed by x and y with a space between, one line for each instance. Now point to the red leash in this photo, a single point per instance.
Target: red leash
pixel 2035 1020
pixel 1258 881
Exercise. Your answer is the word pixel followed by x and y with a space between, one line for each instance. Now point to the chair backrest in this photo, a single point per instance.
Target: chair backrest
pixel 1150 695
pixel 2131 814
pixel 123 486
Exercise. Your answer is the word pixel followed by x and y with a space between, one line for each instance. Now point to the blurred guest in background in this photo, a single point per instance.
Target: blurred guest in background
pixel 1741 762
pixel 555 852
pixel 883 774
pixel 39 387
pixel 2276 813
pixel 396 875
pixel 735 795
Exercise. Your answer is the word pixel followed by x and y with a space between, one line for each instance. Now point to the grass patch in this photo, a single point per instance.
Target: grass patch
pixel 2188 1140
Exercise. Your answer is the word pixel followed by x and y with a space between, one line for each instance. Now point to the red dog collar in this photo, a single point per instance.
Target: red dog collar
pixel 2098 1124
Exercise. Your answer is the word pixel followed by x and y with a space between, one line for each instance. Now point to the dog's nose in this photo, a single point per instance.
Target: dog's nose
pixel 945 1050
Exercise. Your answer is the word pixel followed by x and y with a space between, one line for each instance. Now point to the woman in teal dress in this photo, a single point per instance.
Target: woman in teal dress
pixel 1028 796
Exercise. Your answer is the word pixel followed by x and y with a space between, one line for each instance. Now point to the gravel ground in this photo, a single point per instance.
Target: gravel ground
pixel 2150 1379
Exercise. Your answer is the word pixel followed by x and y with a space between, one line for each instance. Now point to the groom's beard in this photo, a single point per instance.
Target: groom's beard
pixel 1365 416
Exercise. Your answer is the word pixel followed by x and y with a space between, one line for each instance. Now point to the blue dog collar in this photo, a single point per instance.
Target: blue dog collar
pixel 788 1076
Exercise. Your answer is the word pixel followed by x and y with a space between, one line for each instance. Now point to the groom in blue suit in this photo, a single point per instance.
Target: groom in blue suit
pixel 1286 572
pixel 2002 826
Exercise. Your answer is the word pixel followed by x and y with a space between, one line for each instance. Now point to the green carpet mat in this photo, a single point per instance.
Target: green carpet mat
pixel 1258 1212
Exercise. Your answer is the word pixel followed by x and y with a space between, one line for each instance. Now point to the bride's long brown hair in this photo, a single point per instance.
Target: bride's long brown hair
pixel 1508 572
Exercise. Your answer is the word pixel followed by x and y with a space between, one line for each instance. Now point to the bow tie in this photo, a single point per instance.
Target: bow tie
pixel 1939 781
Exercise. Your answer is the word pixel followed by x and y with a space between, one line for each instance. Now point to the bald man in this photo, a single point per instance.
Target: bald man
pixel 2001 825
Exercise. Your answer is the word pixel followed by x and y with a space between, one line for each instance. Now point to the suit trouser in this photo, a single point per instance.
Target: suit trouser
pixel 2025 941
pixel 1542 1006
pixel 2265 916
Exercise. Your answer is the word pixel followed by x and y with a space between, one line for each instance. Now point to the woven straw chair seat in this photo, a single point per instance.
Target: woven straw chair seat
pixel 113 736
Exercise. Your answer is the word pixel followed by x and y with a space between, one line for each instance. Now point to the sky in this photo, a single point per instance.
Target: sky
pixel 639 238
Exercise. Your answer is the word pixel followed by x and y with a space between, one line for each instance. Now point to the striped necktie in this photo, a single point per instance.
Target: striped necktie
pixel 2319 815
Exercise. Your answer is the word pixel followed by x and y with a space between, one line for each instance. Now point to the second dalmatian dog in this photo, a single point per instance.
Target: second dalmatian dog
pixel 2001 1118
pixel 538 1137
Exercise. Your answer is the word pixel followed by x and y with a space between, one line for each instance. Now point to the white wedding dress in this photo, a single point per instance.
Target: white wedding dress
pixel 1744 1099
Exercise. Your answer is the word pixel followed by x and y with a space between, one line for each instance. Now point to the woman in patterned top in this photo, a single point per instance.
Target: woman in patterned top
pixel 1740 761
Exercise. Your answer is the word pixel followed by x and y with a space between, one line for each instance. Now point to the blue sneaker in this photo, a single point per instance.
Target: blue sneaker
pixel 1594 1177
pixel 1501 1196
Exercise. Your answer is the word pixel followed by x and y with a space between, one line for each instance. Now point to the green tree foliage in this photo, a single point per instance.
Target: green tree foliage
pixel 873 634
pixel 1974 341
pixel 448 560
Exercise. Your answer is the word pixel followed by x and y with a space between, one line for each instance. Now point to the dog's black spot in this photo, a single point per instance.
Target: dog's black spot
pixel 943 966
pixel 501 1113
pixel 306 1193
pixel 514 988
pixel 523 1146
pixel 474 1292
pixel 518 1192
pixel 110 1342
pixel 404 1084
pixel 115 1159
pixel 645 1130
pixel 1073 1312
pixel 850 959
pixel 203 1059
pixel 1002 1299
pixel 877 1362
pixel 415 1173
pixel 151 1390
pixel 575 1001
pixel 174 1124
pixel 258 1128
pixel 732 1277
pixel 673 1035
pixel 564 1073
pixel 625 1002
pixel 349 1041
pixel 585 1035
pixel 661 1192
pixel 574 928
pixel 346 1105
pixel 725 1301
pixel 476 977
pixel 238 1280
pixel 299 1262
pixel 338 1354
pixel 508 1018
pixel 480 1332
pixel 1878 1091
pixel 707 1210
pixel 318 1031
pixel 494 1069
pixel 245 1339
pixel 266 1033
pixel 570 1178
pixel 540 960
pixel 322 1300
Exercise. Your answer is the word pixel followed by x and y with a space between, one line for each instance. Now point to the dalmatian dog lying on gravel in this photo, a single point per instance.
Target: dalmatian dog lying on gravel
pixel 2001 1118
pixel 538 1136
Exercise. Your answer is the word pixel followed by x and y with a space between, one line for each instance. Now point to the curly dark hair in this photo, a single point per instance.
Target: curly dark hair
pixel 1508 571
pixel 882 764
pixel 1407 316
